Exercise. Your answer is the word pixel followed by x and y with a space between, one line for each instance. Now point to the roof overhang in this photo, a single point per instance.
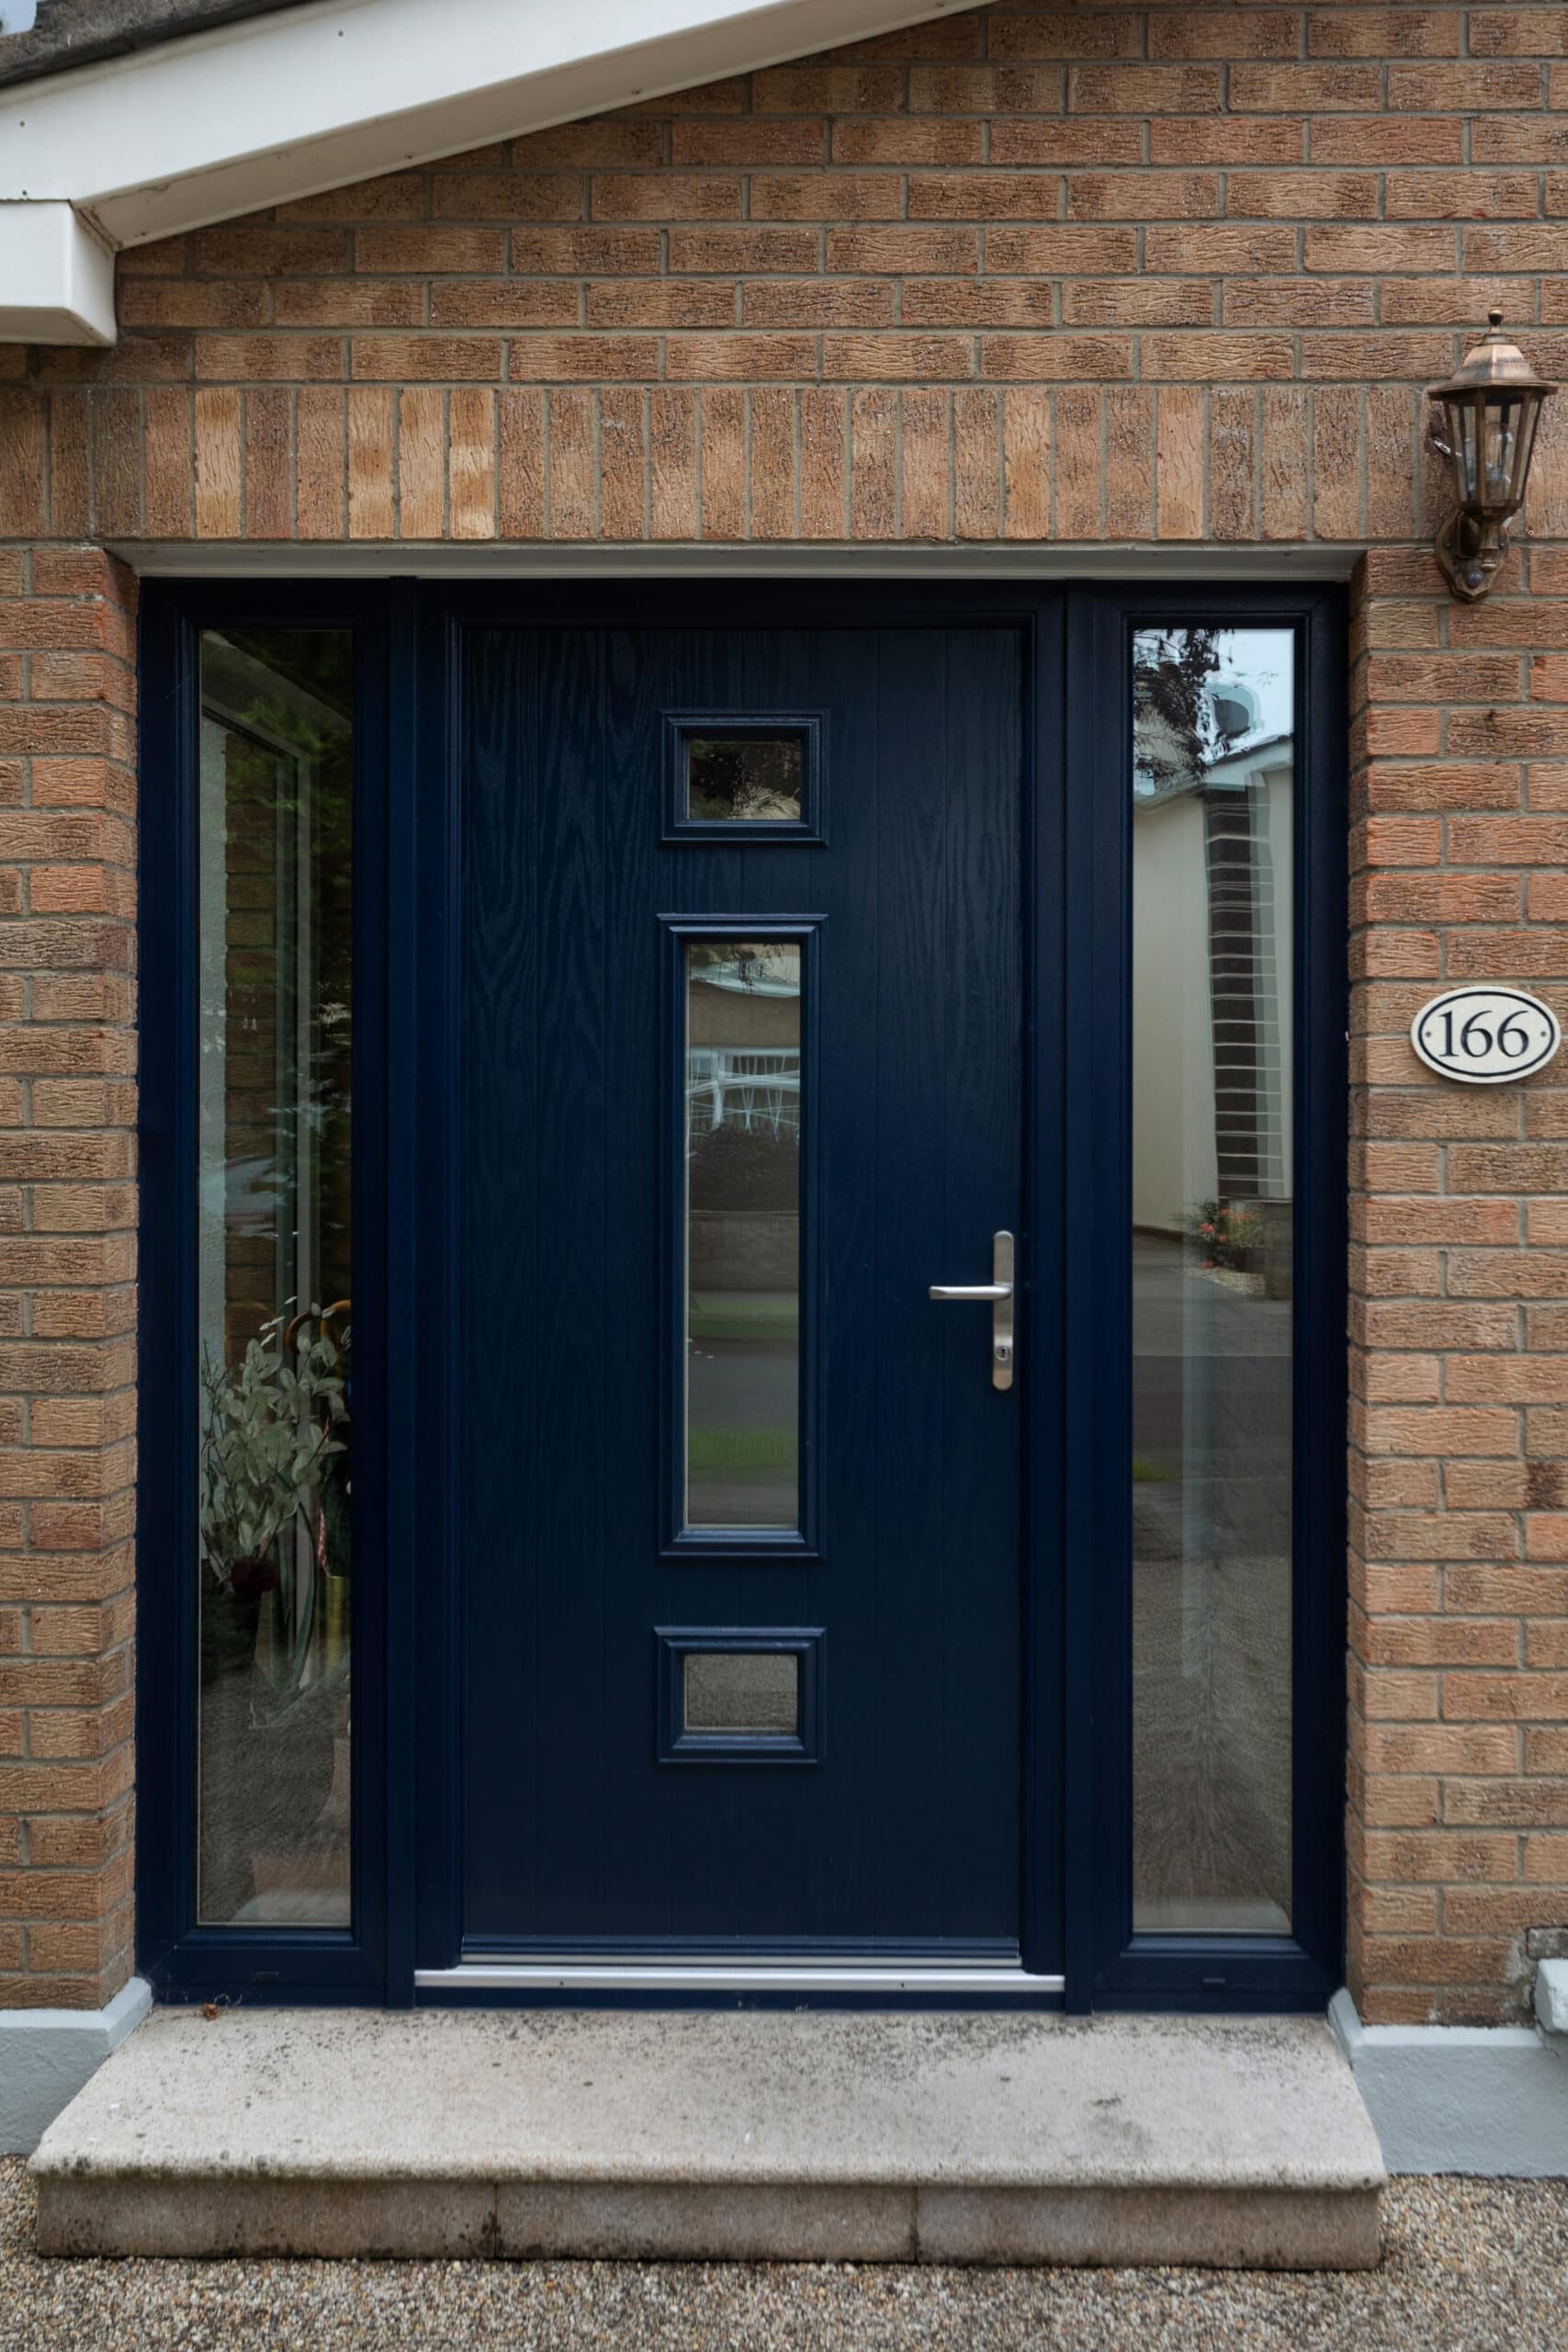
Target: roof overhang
pixel 279 107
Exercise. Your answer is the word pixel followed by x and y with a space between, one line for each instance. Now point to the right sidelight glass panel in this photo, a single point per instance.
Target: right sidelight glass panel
pixel 743 1099
pixel 1212 784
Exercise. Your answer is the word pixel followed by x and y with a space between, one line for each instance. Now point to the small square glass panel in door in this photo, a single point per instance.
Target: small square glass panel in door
pixel 1213 790
pixel 742 1237
pixel 274 1279
pixel 757 777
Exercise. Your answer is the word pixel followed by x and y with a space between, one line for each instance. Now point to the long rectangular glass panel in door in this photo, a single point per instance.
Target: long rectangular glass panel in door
pixel 1212 785
pixel 742 1242
pixel 274 1284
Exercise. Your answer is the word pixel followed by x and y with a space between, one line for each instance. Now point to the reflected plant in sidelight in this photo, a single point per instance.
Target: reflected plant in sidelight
pixel 275 1115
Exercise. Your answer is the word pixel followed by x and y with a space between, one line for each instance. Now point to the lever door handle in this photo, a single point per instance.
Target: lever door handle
pixel 998 1291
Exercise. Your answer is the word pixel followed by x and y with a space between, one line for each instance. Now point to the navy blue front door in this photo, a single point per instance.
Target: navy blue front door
pixel 739 1518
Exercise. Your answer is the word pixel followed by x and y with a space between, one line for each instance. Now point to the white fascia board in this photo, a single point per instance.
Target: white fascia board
pixel 56 276
pixel 285 106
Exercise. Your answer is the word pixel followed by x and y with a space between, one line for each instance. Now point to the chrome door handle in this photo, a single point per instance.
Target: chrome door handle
pixel 999 1291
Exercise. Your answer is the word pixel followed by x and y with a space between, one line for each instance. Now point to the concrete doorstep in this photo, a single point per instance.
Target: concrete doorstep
pixel 1234 2142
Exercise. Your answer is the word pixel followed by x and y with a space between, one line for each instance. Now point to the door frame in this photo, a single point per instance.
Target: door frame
pixel 1076 1684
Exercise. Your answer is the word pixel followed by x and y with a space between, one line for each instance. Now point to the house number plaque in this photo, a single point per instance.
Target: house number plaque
pixel 1485 1036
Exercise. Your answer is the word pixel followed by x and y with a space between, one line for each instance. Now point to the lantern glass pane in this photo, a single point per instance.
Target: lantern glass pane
pixel 1465 450
pixel 1502 414
pixel 1529 417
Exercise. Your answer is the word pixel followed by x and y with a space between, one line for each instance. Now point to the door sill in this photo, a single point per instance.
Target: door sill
pixel 746 1976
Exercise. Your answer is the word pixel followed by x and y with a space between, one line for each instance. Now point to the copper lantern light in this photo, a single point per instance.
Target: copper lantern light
pixel 1491 407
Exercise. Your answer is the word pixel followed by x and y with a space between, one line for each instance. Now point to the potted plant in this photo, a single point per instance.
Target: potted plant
pixel 266 1444
pixel 268 1453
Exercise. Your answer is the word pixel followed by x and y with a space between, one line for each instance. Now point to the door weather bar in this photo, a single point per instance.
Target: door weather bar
pixel 686 1976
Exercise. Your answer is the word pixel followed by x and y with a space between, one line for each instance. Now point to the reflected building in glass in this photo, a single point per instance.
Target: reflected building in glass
pixel 1212 820
pixel 743 1109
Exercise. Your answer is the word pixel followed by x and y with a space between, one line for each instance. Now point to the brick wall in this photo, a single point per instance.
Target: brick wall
pixel 1459 1564
pixel 1075 272
pixel 1165 276
pixel 67 1267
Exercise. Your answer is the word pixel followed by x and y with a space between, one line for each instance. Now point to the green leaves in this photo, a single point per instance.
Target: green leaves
pixel 266 1444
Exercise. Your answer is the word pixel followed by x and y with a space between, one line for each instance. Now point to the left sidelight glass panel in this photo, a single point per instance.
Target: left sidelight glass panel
pixel 273 1280
pixel 743 1092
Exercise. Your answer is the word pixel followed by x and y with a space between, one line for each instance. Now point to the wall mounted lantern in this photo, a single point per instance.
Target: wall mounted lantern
pixel 1491 405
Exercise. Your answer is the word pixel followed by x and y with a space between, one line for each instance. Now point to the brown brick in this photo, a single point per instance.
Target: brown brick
pixel 1380 249
pixel 747 139
pixel 818 196
pixel 1300 302
pixel 1094 141
pixel 1224 32
pixel 900 251
pixel 1148 89
pixel 1463 88
pixel 977 463
pixel 1400 31
pixel 900 140
pixel 1210 250
pixel 1303 196
pixel 771 414
pixel 1220 139
pixel 703 358
pixel 489 196
pixel 823 465
pixel 1412 138
pixel 1517 32
pixel 1460 196
pixel 723 471
pixel 927 468
pixel 1305 89
pixel 672 455
pixel 1063 32
pixel 1139 195
pixel 985 89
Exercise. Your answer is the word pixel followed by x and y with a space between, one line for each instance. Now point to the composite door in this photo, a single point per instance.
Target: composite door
pixel 738 1510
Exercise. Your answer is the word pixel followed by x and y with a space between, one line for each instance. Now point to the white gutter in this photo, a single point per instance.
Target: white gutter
pixel 279 107
pixel 56 276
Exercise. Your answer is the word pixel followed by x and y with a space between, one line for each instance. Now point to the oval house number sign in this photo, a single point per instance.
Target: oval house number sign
pixel 1485 1036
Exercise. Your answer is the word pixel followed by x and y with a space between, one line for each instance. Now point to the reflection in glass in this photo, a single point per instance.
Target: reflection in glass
pixel 744 1690
pixel 1212 1215
pixel 742 1077
pixel 749 777
pixel 274 1287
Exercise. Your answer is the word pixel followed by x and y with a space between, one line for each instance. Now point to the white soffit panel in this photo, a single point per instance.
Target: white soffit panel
pixel 284 106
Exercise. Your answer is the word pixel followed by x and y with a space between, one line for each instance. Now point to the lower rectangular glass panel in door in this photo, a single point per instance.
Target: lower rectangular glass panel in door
pixel 274 1278
pixel 1212 1315
pixel 745 1690
pixel 742 1094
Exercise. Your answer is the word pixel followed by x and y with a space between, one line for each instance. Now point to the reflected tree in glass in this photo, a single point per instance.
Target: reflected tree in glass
pixel 274 1278
pixel 743 1083
pixel 1212 815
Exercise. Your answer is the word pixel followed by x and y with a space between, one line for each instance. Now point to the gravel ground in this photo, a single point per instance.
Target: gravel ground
pixel 1469 2266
